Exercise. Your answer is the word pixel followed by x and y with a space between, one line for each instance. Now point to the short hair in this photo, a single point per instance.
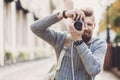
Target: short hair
pixel 87 11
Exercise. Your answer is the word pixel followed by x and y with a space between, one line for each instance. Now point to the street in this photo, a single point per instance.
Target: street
pixel 35 70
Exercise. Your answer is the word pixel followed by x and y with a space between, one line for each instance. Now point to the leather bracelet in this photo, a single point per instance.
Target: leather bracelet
pixel 79 42
pixel 64 14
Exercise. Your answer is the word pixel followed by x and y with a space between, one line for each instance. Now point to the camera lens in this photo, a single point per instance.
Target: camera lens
pixel 78 25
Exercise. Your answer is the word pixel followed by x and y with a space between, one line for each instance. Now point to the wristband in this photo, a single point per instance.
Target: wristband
pixel 79 42
pixel 64 14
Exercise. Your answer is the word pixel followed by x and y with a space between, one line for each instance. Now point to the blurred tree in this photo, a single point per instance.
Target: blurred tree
pixel 114 18
pixel 114 14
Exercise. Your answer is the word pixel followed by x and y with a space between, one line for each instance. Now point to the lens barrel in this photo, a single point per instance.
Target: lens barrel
pixel 78 25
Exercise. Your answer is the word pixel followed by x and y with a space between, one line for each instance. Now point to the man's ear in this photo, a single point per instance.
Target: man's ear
pixel 94 25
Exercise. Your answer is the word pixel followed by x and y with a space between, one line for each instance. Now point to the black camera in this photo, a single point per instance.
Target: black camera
pixel 79 24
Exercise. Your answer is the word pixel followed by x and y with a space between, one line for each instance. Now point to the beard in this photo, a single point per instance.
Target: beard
pixel 86 36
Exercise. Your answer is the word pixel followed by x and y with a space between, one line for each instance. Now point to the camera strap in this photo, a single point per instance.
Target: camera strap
pixel 72 64
pixel 72 60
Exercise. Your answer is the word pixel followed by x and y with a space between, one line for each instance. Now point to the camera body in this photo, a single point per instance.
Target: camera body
pixel 78 25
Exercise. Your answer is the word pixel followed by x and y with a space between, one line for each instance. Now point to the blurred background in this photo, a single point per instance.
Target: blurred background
pixel 24 56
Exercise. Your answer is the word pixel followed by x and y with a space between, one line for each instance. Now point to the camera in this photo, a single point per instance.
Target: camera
pixel 78 25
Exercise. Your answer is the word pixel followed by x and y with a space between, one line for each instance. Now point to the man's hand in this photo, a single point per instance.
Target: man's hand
pixel 75 14
pixel 75 34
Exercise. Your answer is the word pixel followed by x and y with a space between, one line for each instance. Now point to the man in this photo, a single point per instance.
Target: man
pixel 88 52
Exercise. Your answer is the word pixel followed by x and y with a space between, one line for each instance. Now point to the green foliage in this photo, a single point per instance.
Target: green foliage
pixel 113 16
pixel 23 56
pixel 117 38
pixel 39 53
pixel 8 57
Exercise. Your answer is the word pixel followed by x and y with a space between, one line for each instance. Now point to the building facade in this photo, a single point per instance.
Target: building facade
pixel 17 42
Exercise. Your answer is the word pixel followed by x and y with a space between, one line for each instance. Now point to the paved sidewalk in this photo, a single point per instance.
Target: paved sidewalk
pixel 35 70
pixel 106 75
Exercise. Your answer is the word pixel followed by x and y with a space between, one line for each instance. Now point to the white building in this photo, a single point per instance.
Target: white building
pixel 15 34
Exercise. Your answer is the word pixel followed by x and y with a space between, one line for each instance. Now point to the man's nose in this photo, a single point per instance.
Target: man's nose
pixel 86 27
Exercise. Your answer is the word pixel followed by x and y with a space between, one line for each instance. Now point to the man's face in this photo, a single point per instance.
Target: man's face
pixel 90 25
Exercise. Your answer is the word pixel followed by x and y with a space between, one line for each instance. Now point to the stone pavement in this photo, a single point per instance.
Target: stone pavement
pixel 35 70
